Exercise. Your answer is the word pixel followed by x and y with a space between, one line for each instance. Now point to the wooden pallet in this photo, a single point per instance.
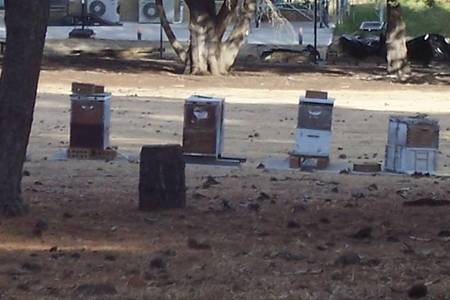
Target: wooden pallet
pixel 213 160
pixel 367 167
pixel 296 160
pixel 94 154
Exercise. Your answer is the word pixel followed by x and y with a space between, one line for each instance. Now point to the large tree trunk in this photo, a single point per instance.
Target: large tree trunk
pixel 161 178
pixel 26 25
pixel 397 58
pixel 207 52
pixel 230 49
pixel 176 45
pixel 204 40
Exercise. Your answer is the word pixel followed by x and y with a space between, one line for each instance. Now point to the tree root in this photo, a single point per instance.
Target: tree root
pixel 13 209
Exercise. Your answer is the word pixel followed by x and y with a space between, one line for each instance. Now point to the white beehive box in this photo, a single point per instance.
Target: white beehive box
pixel 412 145
pixel 312 142
pixel 410 160
pixel 313 133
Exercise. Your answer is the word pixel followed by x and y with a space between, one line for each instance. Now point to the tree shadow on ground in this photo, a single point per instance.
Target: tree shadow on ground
pixel 110 64
pixel 435 75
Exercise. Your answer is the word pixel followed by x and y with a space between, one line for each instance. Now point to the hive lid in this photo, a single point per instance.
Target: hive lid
pixel 205 99
pixel 92 97
pixel 328 101
pixel 414 120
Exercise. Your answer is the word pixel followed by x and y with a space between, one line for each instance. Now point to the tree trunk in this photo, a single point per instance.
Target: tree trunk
pixel 397 58
pixel 161 178
pixel 208 53
pixel 179 49
pixel 204 39
pixel 26 25
pixel 230 49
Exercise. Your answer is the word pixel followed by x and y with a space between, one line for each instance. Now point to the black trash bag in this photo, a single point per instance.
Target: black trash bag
pixel 427 48
pixel 363 47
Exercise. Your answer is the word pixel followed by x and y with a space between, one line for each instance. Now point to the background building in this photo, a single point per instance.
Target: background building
pixel 66 12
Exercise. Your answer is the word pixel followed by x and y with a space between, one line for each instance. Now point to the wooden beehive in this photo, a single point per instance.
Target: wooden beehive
pixel 315 116
pixel 415 132
pixel 412 145
pixel 203 131
pixel 90 121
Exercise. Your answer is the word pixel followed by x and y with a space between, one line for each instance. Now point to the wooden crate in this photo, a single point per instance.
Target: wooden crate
pixel 367 167
pixel 94 154
pixel 296 161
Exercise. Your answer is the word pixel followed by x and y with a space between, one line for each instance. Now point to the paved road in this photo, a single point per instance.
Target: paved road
pixel 265 34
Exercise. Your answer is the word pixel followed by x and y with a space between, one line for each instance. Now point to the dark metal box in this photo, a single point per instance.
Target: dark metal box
pixel 315 113
pixel 203 131
pixel 90 121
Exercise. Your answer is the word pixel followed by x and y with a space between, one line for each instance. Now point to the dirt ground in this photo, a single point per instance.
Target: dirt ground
pixel 253 233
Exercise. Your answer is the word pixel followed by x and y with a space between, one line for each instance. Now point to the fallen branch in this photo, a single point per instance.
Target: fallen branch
pixel 427 202
pixel 419 239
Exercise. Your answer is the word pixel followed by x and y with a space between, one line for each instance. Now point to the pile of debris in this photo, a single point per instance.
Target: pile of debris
pixel 424 49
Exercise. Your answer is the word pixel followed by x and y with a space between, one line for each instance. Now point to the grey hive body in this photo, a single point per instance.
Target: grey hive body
pixel 313 133
pixel 203 131
pixel 412 145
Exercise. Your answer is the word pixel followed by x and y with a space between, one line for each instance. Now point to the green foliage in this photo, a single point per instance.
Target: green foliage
pixel 419 17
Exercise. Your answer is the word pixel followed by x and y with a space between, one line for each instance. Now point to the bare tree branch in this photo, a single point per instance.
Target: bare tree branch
pixel 225 16
pixel 181 51
pixel 242 25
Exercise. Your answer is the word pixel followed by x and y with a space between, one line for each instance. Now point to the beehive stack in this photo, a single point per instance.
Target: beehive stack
pixel 90 120
pixel 313 133
pixel 412 145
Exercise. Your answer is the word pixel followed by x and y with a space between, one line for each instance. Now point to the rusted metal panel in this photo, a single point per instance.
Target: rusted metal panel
pixel 423 136
pixel 87 112
pixel 200 141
